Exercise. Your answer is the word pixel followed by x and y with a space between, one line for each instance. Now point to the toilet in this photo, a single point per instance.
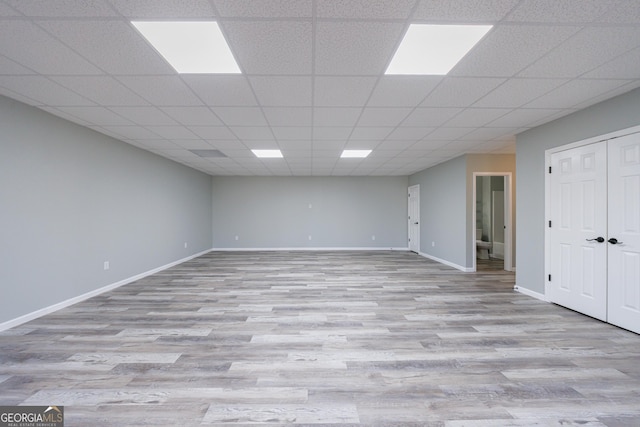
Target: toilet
pixel 482 247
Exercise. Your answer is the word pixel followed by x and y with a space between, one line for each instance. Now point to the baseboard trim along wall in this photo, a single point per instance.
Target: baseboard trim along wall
pixel 445 262
pixel 308 249
pixel 531 293
pixel 55 307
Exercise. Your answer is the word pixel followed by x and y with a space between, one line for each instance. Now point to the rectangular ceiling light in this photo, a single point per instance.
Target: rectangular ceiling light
pixel 190 47
pixel 434 49
pixel 268 154
pixel 355 154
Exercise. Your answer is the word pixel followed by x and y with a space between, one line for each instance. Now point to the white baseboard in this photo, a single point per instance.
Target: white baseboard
pixel 310 249
pixel 55 307
pixel 445 262
pixel 531 293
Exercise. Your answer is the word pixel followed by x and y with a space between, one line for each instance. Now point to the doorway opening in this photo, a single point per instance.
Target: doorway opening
pixel 491 231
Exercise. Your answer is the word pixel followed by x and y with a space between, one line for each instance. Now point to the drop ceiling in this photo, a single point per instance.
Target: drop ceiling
pixel 313 82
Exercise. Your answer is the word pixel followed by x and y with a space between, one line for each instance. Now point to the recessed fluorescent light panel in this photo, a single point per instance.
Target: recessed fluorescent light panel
pixel 355 154
pixel 434 49
pixel 268 154
pixel 190 47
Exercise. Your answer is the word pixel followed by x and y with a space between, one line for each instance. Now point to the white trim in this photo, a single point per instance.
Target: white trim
pixel 530 293
pixel 508 232
pixel 445 262
pixel 310 249
pixel 64 304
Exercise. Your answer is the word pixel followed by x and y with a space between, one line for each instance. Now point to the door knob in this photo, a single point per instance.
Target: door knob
pixel 415 223
pixel 597 239
pixel 614 241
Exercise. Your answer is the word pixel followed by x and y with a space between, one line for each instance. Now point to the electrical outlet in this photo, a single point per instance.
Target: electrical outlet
pixel 106 265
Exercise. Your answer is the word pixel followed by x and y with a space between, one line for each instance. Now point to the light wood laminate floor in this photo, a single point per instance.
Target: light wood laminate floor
pixel 323 338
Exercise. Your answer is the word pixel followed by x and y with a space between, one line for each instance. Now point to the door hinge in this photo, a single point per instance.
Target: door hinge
pixel 549 169
pixel 549 277
pixel 549 224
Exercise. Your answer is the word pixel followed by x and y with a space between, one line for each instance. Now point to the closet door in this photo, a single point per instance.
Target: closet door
pixel 578 259
pixel 624 227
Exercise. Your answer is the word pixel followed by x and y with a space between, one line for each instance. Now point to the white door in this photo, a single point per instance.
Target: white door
pixel 624 227
pixel 414 218
pixel 578 258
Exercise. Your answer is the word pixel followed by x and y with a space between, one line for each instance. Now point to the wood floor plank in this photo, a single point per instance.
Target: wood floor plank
pixel 342 338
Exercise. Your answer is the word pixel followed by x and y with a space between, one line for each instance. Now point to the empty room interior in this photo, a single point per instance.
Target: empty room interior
pixel 321 212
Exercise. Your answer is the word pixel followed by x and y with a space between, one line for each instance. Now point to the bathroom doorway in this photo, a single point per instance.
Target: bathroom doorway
pixel 491 238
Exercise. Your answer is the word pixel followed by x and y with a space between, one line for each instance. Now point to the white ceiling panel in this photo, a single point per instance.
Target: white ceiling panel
pixel 264 9
pixel 354 47
pixel 222 90
pixel 314 79
pixel 402 91
pixel 463 11
pixel 271 47
pixel 591 48
pixel 280 91
pixel 460 91
pixel 145 116
pixel 100 42
pixel 365 9
pixel 162 90
pixel 342 91
pixel 192 116
pixel 42 91
pixel 63 8
pixel 508 49
pixel 557 12
pixel 288 116
pixel 164 9
pixel 240 116
pixel 35 49
pixel 517 92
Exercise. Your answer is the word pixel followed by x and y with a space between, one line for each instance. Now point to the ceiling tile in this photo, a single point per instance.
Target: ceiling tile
pixel 103 90
pixel 383 116
pixel 288 116
pixel 162 90
pixel 565 11
pixel 213 133
pixel 430 117
pixel 292 132
pixel 402 91
pixel 413 134
pixel 337 133
pixel 172 132
pixel 101 42
pixel 153 9
pixel 31 47
pixel 517 92
pixel 264 9
pixel 279 91
pixel 6 11
pixel 626 66
pixel 477 117
pixel 507 49
pixel 63 8
pixel 42 91
pixel 337 116
pixel 9 67
pixel 342 91
pixel 96 115
pixel 144 116
pixel 460 91
pixel 589 49
pixel 221 90
pixel 575 92
pixel 627 12
pixel 370 133
pixel 365 9
pixel 463 11
pixel 131 132
pixel 522 117
pixel 240 116
pixel 355 48
pixel 192 116
pixel 246 133
pixel 447 133
pixel 271 47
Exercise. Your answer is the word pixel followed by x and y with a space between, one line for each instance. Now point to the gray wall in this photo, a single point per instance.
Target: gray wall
pixel 443 210
pixel 274 212
pixel 71 198
pixel 615 114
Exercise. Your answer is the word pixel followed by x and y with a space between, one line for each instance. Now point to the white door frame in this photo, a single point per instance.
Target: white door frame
pixel 547 190
pixel 508 240
pixel 415 243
